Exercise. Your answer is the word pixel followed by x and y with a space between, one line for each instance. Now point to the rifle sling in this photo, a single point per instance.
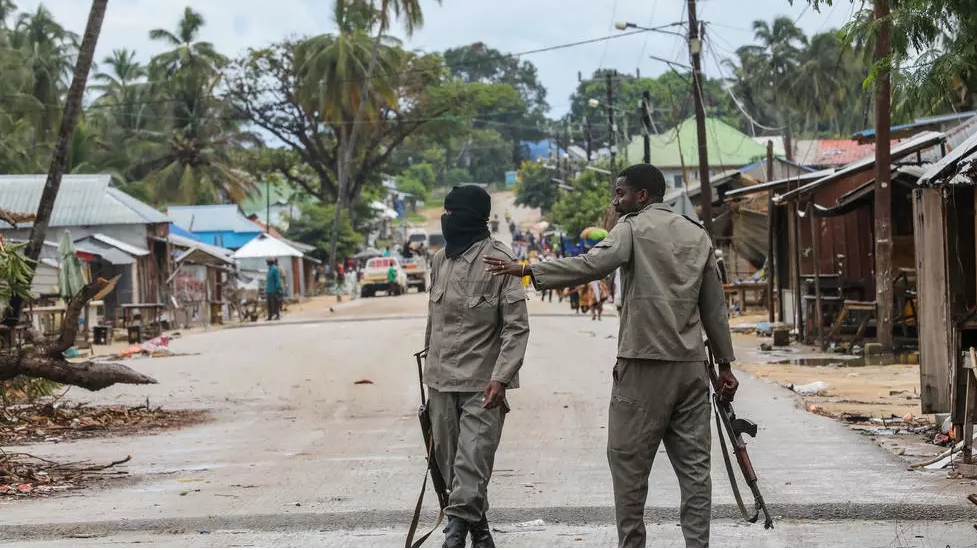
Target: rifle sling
pixel 731 473
pixel 417 508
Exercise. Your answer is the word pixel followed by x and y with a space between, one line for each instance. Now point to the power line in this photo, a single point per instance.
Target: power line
pixel 610 28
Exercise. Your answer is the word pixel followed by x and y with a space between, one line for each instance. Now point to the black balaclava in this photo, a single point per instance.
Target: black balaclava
pixel 465 221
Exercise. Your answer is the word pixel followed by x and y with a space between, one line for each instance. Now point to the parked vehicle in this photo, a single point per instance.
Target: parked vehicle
pixel 416 269
pixel 376 277
pixel 435 242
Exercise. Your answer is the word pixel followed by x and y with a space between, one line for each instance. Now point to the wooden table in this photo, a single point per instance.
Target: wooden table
pixel 47 319
pixel 740 290
pixel 150 321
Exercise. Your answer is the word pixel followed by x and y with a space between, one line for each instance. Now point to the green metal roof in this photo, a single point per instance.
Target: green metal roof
pixel 727 146
pixel 257 202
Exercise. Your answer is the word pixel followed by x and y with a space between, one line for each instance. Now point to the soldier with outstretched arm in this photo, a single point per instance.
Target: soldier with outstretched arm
pixel 671 294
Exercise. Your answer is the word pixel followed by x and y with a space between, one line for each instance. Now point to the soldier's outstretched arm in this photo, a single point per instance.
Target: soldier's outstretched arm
pixel 606 256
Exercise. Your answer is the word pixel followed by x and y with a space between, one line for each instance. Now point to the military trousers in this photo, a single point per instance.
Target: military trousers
pixel 466 437
pixel 654 402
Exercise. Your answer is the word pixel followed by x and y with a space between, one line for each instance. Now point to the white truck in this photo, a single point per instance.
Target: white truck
pixel 376 277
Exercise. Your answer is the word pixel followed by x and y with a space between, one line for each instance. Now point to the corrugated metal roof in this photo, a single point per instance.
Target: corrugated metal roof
pixel 192 244
pixel 108 252
pixel 908 147
pixel 82 200
pixel 116 243
pixel 777 185
pixel 213 217
pixel 955 138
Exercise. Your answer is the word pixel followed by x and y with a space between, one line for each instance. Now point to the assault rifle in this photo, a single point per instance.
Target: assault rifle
pixel 727 422
pixel 433 470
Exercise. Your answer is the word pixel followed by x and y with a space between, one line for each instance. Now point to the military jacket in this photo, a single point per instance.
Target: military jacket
pixel 671 289
pixel 477 323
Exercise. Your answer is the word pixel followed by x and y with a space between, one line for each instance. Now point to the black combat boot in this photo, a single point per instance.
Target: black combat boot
pixel 481 534
pixel 455 533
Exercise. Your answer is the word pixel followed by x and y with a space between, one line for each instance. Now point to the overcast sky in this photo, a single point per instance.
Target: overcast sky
pixel 508 25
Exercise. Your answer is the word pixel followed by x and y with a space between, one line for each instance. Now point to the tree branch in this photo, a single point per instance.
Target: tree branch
pixel 36 363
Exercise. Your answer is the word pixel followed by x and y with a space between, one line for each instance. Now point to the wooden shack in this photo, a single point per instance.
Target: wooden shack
pixel 946 265
pixel 830 245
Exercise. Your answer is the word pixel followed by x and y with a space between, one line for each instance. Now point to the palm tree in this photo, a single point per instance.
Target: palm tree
pixel 821 85
pixel 410 15
pixel 48 51
pixel 194 164
pixel 781 45
pixel 332 68
pixel 187 52
pixel 124 93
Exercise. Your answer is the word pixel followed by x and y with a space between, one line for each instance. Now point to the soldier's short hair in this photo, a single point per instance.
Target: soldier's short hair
pixel 647 177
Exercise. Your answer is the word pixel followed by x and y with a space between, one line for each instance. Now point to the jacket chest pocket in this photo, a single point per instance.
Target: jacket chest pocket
pixel 482 307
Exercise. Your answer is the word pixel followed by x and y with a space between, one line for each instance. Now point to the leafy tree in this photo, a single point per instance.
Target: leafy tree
pixel 584 206
pixel 456 176
pixel 407 185
pixel 422 173
pixel 536 189
pixel 314 225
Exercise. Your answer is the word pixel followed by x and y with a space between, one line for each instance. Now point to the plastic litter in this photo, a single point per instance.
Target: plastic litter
pixel 814 388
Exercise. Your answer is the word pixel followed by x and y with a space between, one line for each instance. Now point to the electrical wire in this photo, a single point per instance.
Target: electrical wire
pixel 644 46
pixel 600 64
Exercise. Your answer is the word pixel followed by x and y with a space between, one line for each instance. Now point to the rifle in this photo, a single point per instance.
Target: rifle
pixel 433 470
pixel 726 421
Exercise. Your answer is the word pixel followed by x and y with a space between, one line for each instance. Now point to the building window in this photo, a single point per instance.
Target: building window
pixel 677 181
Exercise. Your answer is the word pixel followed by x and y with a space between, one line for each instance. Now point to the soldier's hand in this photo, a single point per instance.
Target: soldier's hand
pixel 497 266
pixel 494 395
pixel 727 384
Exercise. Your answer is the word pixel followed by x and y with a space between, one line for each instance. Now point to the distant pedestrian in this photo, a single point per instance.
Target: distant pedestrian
pixel 273 289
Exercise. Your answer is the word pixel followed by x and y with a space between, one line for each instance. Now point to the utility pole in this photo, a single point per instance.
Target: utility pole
pixel 268 206
pixel 566 149
pixel 771 242
pixel 590 147
pixel 612 126
pixel 695 49
pixel 883 188
pixel 646 124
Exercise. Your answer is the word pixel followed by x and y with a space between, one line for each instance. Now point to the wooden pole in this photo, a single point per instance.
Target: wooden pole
pixel 793 227
pixel 883 188
pixel 815 244
pixel 771 246
pixel 695 48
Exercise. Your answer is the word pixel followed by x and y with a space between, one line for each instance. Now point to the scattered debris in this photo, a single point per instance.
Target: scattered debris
pixel 53 421
pixel 364 381
pixel 814 388
pixel 26 475
pixel 972 498
pixel 532 525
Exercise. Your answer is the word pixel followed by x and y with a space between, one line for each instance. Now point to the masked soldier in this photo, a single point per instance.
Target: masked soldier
pixel 477 331
pixel 660 391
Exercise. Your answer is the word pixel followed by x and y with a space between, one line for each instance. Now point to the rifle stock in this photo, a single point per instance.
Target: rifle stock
pixel 432 470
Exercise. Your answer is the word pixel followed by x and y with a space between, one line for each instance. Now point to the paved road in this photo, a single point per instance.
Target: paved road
pixel 299 454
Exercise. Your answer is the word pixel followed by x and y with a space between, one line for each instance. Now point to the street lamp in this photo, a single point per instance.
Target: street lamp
pixel 625 25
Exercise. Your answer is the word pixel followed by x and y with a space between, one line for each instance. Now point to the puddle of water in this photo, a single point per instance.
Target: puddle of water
pixel 848 361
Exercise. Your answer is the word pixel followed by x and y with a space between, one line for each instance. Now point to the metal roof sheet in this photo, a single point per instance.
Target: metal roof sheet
pixel 212 218
pixel 108 252
pixel 905 148
pixel 82 200
pixel 777 185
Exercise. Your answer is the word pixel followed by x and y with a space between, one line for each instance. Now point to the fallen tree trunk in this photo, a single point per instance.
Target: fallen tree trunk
pixel 44 358
pixel 34 362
